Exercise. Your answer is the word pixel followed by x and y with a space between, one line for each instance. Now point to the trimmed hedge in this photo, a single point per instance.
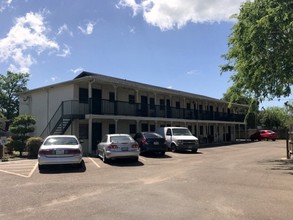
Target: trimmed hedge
pixel 32 145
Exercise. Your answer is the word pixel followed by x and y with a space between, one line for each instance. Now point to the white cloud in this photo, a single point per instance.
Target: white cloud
pixel 26 36
pixel 64 29
pixel 192 72
pixel 65 51
pixel 52 79
pixel 4 4
pixel 88 29
pixel 77 70
pixel 177 13
pixel 132 30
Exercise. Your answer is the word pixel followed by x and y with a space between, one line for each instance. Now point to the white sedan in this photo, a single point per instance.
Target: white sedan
pixel 60 149
pixel 115 146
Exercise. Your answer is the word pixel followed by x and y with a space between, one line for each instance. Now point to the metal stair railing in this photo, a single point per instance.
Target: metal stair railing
pixel 64 115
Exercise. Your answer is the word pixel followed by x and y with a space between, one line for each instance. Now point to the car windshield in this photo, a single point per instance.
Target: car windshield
pixel 152 135
pixel 180 131
pixel 120 139
pixel 61 141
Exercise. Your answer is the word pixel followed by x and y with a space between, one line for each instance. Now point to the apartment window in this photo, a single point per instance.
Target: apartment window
pixel 200 107
pixel 144 127
pixel 112 129
pixel 212 130
pixel 111 96
pixel 201 130
pixel 162 104
pixel 188 106
pixel 83 131
pixel 152 103
pixel 190 128
pixel 132 128
pixel 177 105
pixel 152 127
pixel 83 95
pixel 131 99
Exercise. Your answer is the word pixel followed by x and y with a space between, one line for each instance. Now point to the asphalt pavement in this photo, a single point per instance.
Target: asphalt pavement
pixel 239 181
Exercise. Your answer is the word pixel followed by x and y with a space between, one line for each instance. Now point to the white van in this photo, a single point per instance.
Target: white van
pixel 179 138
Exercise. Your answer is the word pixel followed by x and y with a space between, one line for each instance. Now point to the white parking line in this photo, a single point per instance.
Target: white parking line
pixel 94 162
pixel 141 158
pixel 15 169
pixel 33 170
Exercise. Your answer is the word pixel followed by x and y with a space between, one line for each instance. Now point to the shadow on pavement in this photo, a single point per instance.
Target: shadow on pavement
pixel 282 165
pixel 66 168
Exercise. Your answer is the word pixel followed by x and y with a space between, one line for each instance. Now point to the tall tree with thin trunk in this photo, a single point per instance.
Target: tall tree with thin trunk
pixel 260 54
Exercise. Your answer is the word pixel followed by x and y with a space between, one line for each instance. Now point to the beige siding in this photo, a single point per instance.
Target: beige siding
pixel 42 104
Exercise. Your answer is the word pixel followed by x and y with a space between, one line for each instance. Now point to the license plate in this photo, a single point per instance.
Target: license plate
pixel 124 148
pixel 59 152
pixel 156 143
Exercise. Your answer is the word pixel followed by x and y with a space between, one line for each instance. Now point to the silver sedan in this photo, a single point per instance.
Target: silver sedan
pixel 60 149
pixel 115 146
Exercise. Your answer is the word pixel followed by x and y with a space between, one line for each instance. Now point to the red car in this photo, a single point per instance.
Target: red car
pixel 264 134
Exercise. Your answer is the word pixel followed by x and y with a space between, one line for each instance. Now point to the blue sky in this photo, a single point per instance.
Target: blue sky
pixel 173 44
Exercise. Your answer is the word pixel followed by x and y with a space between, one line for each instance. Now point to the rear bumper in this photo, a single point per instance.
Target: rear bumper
pixel 121 154
pixel 42 160
pixel 153 149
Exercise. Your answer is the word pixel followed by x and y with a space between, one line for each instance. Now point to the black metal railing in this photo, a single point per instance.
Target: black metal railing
pixel 73 109
pixel 106 107
pixel 67 110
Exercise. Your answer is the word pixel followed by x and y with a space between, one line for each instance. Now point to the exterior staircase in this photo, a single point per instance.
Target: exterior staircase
pixel 66 113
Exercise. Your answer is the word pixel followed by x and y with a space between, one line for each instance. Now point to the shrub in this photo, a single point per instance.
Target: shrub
pixel 32 145
pixel 15 143
pixel 9 145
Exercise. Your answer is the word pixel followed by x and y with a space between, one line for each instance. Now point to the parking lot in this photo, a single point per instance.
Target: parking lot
pixel 240 181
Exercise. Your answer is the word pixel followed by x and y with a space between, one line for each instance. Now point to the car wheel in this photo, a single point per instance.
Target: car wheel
pixel 273 139
pixel 194 150
pixel 141 152
pixel 104 158
pixel 41 168
pixel 135 159
pixel 81 164
pixel 173 148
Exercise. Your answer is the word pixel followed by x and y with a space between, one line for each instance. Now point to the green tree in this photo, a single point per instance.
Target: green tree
pixel 2 118
pixel 273 118
pixel 21 126
pixel 289 109
pixel 260 50
pixel 251 116
pixel 11 85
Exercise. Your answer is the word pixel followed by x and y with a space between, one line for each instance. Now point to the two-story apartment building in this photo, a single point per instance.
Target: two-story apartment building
pixel 92 105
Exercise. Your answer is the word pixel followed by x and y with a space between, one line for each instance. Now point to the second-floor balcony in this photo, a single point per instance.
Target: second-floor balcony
pixel 106 107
